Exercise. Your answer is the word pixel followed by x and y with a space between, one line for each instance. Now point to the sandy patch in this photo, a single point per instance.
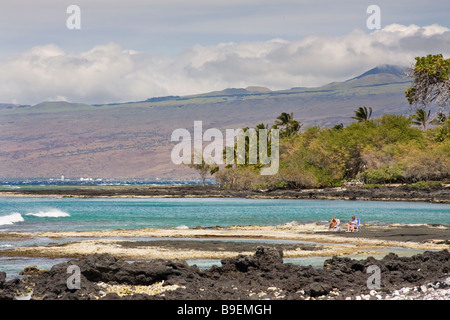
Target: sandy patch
pixel 326 243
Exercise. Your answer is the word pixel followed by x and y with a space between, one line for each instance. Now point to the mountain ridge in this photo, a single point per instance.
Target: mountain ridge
pixel 385 68
pixel 132 139
pixel 395 70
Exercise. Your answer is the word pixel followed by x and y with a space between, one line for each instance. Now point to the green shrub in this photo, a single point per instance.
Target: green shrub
pixel 426 185
pixel 382 175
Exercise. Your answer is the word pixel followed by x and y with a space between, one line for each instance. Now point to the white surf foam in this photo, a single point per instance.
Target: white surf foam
pixel 51 213
pixel 11 218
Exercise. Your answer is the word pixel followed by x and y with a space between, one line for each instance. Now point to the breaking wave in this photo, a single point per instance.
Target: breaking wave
pixel 52 213
pixel 11 218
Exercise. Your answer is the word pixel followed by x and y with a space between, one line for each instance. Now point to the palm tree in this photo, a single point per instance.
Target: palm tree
pixel 421 118
pixel 440 119
pixel 202 168
pixel 294 128
pixel 262 126
pixel 363 114
pixel 284 118
pixel 291 126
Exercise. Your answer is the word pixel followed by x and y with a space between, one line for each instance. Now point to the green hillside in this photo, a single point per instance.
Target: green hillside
pixel 127 140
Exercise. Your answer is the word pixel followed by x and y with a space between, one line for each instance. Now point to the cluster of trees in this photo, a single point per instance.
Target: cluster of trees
pixel 386 149
pixel 431 82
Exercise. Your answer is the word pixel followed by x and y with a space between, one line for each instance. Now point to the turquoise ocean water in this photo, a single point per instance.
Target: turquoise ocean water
pixel 65 214
pixel 32 214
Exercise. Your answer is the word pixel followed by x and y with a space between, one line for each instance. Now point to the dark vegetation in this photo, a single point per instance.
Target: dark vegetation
pixel 390 148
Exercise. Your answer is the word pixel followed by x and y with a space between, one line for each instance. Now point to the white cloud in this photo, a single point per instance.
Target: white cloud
pixel 110 73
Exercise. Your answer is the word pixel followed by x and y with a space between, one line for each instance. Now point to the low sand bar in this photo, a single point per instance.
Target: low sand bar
pixel 296 240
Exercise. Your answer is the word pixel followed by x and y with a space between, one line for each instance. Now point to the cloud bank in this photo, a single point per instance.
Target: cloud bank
pixel 109 73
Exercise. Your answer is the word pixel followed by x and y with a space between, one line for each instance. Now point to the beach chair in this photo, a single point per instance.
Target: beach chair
pixel 358 226
pixel 337 227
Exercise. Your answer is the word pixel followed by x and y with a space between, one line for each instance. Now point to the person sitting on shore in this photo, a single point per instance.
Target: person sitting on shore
pixel 352 225
pixel 334 224
pixel 337 226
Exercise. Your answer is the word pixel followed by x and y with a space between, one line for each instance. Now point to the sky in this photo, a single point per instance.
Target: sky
pixel 133 50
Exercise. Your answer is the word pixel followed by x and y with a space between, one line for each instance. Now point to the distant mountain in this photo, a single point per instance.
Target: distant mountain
pixel 132 140
pixel 385 69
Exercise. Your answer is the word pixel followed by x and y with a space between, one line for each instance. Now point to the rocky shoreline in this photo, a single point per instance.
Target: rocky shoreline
pixel 243 275
pixel 260 276
pixel 382 193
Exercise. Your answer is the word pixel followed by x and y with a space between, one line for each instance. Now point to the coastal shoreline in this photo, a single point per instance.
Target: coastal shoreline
pixel 382 193
pixel 296 240
pixel 165 251
pixel 261 276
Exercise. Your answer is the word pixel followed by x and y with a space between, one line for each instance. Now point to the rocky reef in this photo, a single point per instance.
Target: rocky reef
pixel 262 275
